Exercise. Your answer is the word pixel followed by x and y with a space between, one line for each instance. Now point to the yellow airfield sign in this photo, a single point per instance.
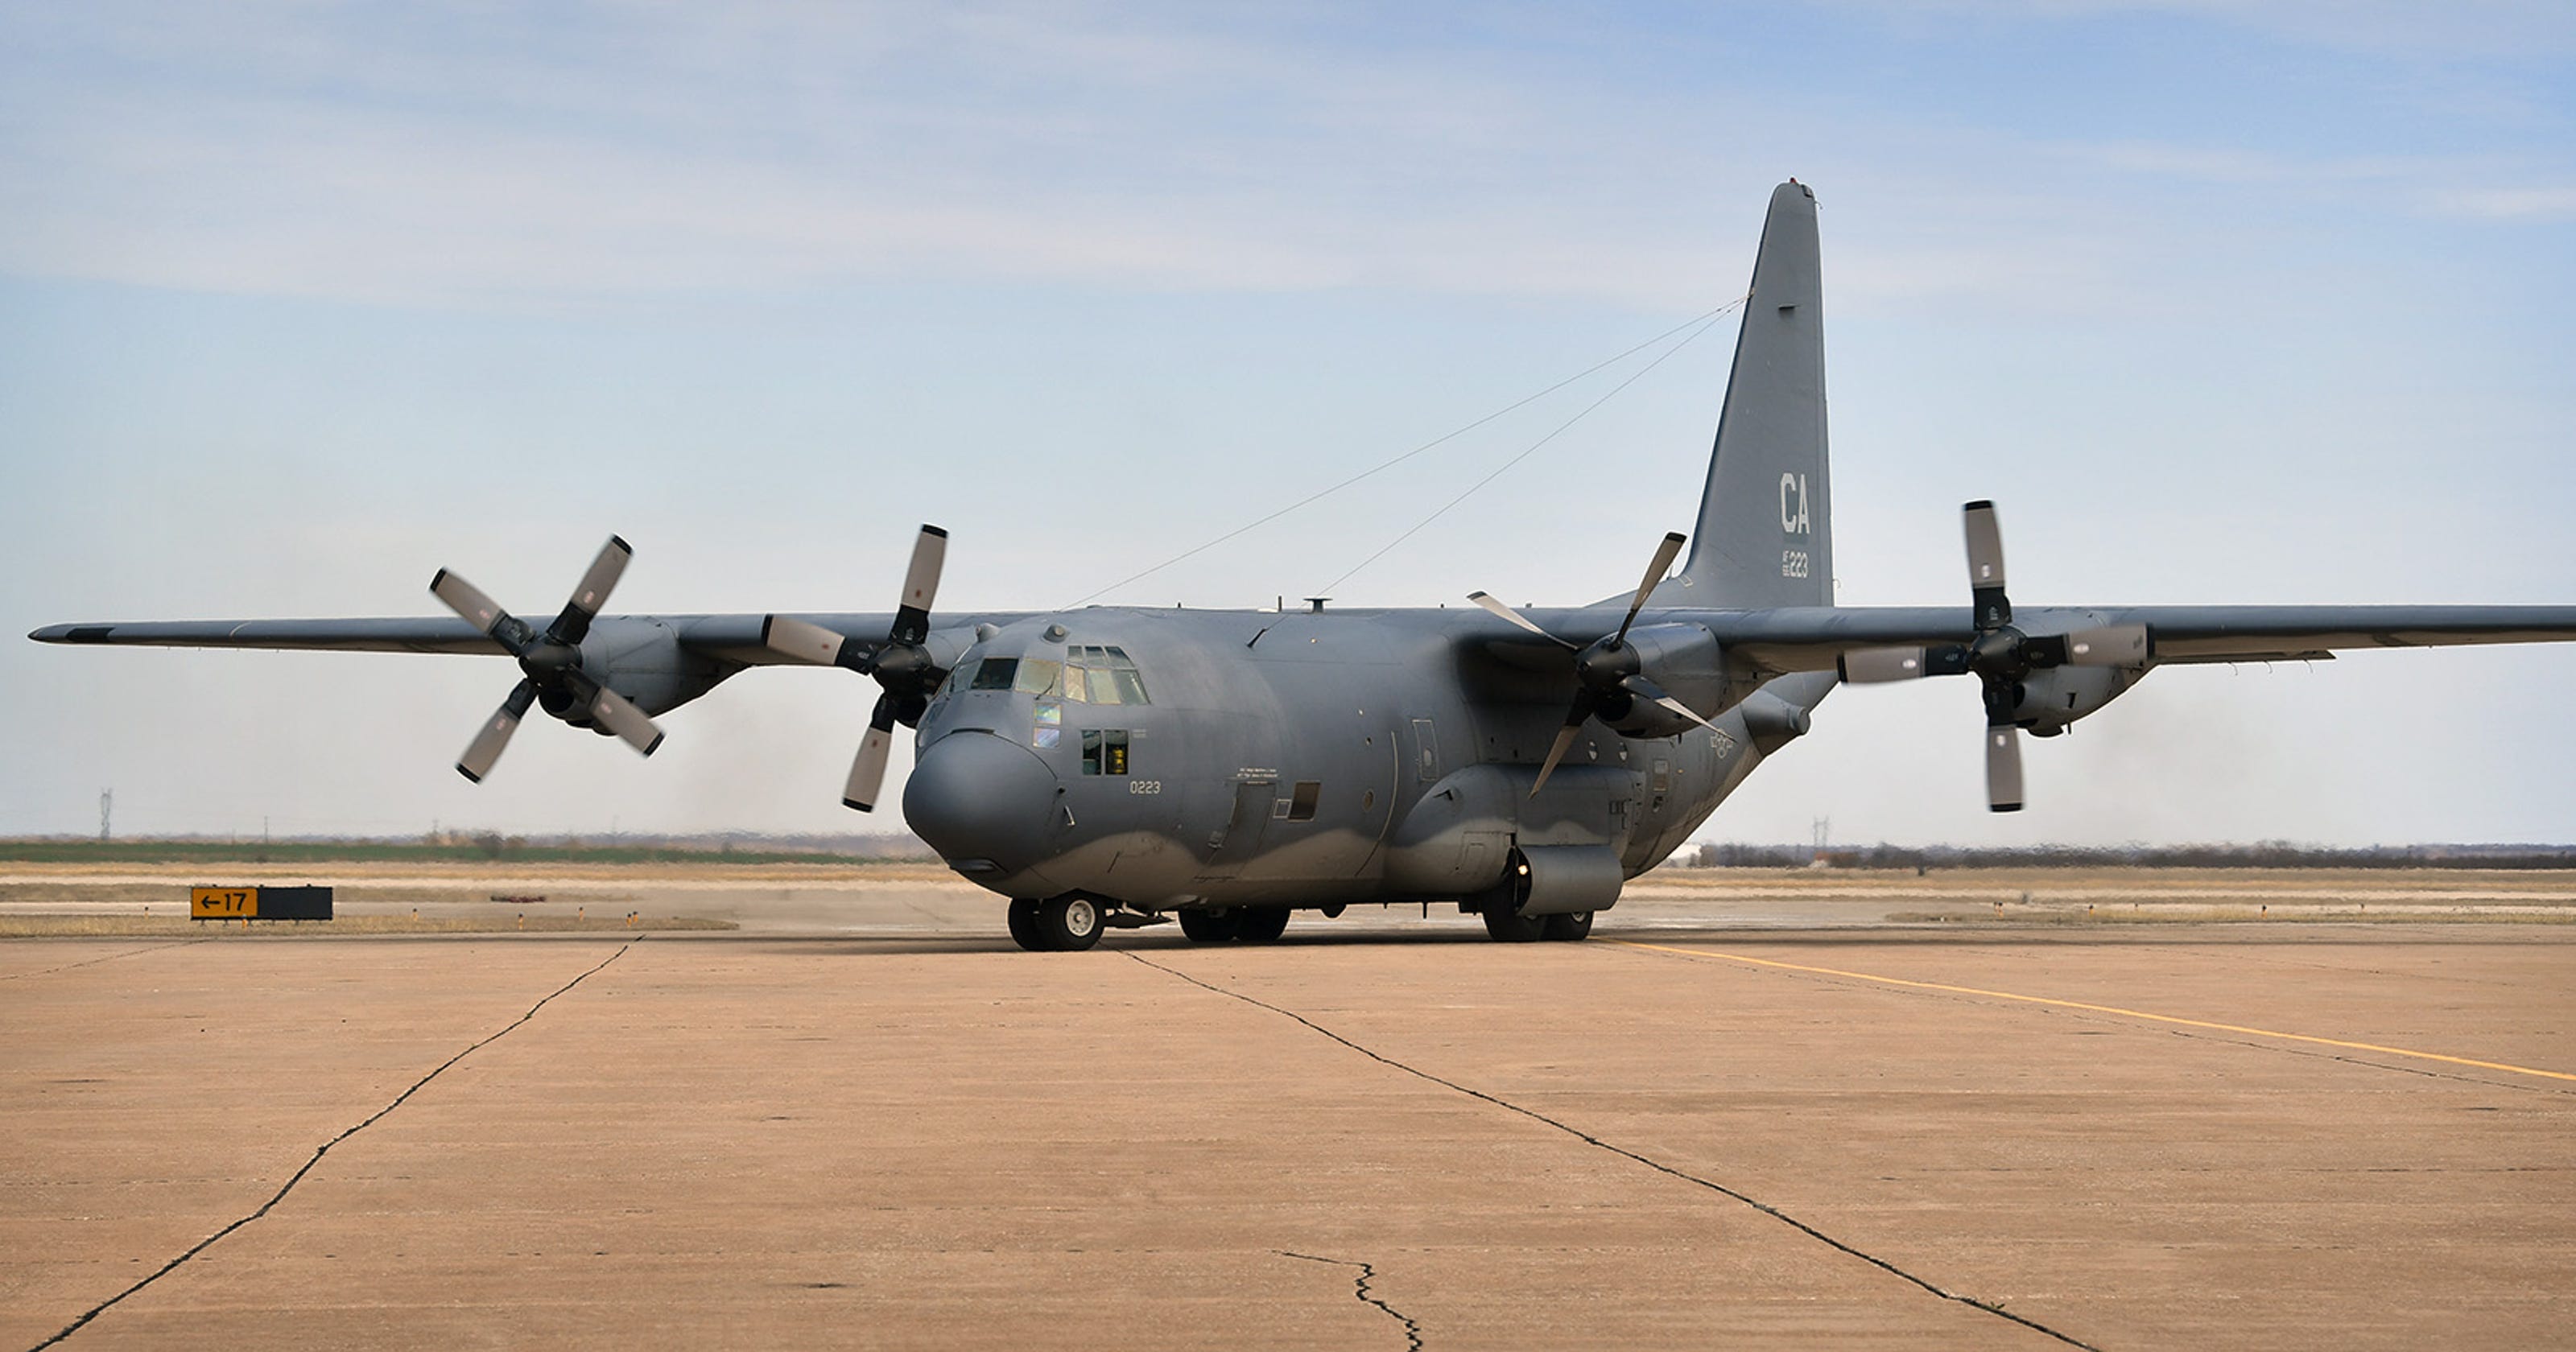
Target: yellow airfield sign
pixel 223 903
pixel 259 903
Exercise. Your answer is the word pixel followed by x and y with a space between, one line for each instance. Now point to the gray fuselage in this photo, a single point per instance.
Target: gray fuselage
pixel 1286 759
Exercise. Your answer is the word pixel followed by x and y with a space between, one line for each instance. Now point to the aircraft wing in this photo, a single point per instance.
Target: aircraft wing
pixel 1811 638
pixel 442 634
pixel 734 639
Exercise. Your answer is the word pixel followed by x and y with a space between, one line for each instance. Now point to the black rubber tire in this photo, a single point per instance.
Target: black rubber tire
pixel 1068 924
pixel 1511 927
pixel 1024 926
pixel 1569 928
pixel 1208 927
pixel 1260 924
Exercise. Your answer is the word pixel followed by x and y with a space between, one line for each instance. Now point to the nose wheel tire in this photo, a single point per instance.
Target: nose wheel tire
pixel 1066 924
pixel 1568 928
pixel 1024 926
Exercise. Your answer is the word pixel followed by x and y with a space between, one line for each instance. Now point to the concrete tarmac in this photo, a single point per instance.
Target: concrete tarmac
pixel 1684 1133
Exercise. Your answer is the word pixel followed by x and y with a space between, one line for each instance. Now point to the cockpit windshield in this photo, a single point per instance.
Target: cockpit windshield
pixel 1090 674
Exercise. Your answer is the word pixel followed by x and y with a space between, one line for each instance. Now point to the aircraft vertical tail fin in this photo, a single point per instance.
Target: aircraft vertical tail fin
pixel 1765 534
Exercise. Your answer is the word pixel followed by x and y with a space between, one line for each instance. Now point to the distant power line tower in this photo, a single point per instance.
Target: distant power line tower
pixel 1823 833
pixel 106 805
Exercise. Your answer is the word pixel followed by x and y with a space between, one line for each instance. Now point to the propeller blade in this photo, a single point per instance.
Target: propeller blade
pixel 1986 565
pixel 1638 687
pixel 801 641
pixel 1869 666
pixel 1574 720
pixel 612 711
pixel 487 745
pixel 573 625
pixel 2119 645
pixel 1516 617
pixel 468 600
pixel 1664 555
pixel 920 585
pixel 867 773
pixel 2003 768
pixel 1683 709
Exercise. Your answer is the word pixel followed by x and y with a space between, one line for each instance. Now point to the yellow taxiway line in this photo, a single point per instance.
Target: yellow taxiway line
pixel 2098 1009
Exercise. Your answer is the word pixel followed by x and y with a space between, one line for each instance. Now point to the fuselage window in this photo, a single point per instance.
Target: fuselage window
pixel 1104 752
pixel 995 673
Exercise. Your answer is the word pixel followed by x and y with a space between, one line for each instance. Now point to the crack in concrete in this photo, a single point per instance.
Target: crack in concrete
pixel 92 962
pixel 1360 1290
pixel 1775 1213
pixel 289 1186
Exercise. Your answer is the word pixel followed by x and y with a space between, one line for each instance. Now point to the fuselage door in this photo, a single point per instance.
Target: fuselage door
pixel 1241 838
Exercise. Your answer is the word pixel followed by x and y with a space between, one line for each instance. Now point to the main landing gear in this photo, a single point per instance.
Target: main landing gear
pixel 1242 924
pixel 1511 927
pixel 1065 924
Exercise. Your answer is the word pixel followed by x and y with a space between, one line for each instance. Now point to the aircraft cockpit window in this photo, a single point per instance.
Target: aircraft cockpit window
pixel 1102 675
pixel 995 673
pixel 963 677
pixel 1038 676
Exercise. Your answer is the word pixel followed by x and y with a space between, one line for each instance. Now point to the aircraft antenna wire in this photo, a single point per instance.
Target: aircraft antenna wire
pixel 1705 324
pixel 1702 320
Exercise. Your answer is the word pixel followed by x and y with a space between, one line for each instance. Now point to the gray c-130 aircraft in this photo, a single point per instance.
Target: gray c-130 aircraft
pixel 1111 767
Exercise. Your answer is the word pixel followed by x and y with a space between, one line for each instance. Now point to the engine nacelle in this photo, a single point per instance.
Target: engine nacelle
pixel 1686 662
pixel 641 658
pixel 2052 699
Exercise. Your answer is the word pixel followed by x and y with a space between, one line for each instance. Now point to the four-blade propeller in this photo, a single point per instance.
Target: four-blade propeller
pixel 902 664
pixel 551 662
pixel 2000 656
pixel 1607 669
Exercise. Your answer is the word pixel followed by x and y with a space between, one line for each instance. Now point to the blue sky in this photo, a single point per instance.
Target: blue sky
pixel 298 303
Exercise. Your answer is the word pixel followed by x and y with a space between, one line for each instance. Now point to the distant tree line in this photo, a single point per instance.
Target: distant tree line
pixel 2260 854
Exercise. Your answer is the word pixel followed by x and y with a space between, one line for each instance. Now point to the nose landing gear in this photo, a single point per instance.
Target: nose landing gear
pixel 1066 924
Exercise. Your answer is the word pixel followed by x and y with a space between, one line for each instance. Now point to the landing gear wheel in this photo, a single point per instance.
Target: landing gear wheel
pixel 1260 924
pixel 1209 927
pixel 1511 927
pixel 1024 926
pixel 1068 924
pixel 1569 928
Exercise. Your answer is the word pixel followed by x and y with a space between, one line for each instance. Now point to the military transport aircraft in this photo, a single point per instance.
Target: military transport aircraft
pixel 1116 767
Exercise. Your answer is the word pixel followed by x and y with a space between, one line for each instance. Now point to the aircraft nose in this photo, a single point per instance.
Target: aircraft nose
pixel 978 798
